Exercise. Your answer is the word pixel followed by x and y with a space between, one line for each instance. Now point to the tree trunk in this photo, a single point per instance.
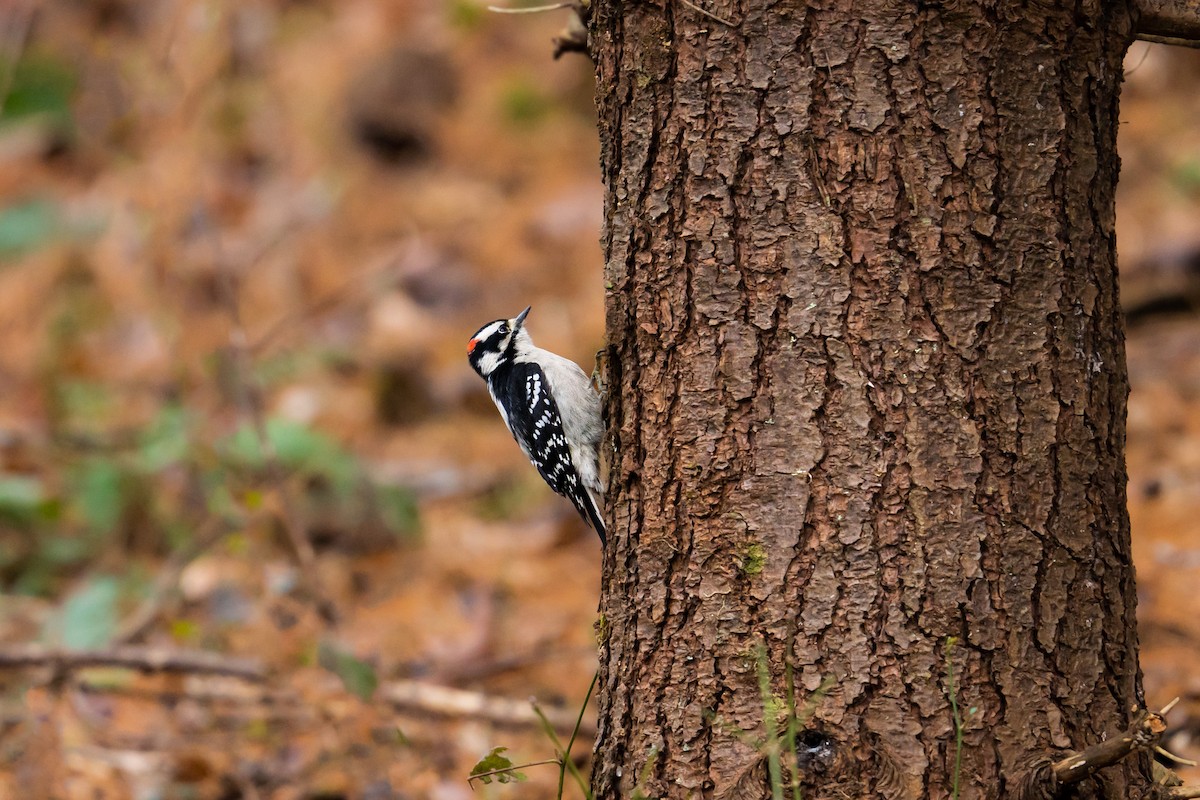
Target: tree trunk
pixel 866 394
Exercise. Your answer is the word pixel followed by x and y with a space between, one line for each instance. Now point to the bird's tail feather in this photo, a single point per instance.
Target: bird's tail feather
pixel 590 508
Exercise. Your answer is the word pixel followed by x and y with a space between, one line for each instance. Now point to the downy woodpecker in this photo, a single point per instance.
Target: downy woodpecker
pixel 550 408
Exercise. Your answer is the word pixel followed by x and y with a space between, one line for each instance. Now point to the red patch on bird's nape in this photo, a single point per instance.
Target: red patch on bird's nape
pixel 471 346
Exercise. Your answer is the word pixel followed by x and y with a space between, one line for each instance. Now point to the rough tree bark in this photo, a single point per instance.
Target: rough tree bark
pixel 866 392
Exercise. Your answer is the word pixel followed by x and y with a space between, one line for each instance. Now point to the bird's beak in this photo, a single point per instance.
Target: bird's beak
pixel 520 320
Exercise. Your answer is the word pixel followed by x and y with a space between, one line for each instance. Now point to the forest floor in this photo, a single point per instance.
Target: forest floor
pixel 242 246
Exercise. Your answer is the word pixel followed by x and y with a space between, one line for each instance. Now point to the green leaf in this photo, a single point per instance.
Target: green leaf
pixel 184 630
pixel 303 451
pixel 89 615
pixel 1186 176
pixel 357 676
pixel 41 85
pixel 466 15
pixel 27 226
pixel 99 490
pixel 85 403
pixel 258 729
pixel 243 447
pixel 221 501
pixel 523 102
pixel 275 369
pixel 494 761
pixel 21 499
pixel 166 440
pixel 63 549
pixel 398 509
pixel 511 497
pixel 297 447
pixel 252 499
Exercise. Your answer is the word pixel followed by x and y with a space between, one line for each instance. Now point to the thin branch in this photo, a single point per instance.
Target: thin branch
pixel 1169 21
pixel 1167 754
pixel 1174 41
pixel 529 10
pixel 142 659
pixel 445 701
pixel 1142 734
pixel 1048 778
pixel 404 695
pixel 727 23
pixel 1179 792
pixel 479 775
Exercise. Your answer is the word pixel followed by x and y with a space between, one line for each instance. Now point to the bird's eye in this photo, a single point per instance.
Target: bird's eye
pixel 504 330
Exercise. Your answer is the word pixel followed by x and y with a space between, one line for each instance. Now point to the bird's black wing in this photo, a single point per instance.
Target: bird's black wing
pixel 540 434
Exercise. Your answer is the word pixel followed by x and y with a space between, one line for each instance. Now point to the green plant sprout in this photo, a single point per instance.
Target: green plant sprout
pixel 781 736
pixel 495 766
pixel 952 696
pixel 638 792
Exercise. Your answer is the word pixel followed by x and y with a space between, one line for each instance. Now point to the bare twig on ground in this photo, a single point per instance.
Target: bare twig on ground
pixel 529 9
pixel 442 700
pixel 406 696
pixel 477 669
pixel 142 659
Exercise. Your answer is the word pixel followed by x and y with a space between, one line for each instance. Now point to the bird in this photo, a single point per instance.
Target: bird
pixel 548 404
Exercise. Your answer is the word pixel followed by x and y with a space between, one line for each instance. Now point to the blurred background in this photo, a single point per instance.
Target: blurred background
pixel 242 247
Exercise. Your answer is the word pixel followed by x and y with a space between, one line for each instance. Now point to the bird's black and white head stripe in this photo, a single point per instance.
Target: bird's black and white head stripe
pixel 496 343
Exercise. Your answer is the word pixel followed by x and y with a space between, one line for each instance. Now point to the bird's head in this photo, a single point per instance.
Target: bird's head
pixel 495 343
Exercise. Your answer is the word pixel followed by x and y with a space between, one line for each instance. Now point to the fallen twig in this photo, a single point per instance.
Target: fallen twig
pixel 445 701
pixel 142 659
pixel 529 9
pixel 1142 734
pixel 405 695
